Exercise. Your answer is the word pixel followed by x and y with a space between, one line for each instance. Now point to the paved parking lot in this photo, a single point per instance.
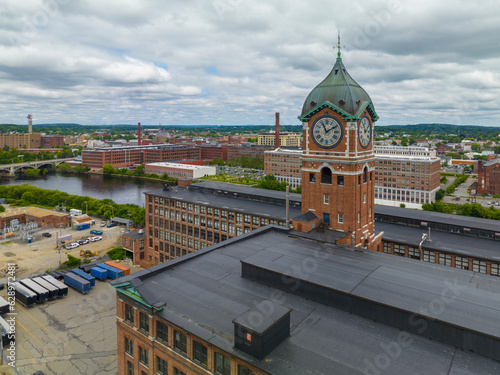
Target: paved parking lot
pixel 75 334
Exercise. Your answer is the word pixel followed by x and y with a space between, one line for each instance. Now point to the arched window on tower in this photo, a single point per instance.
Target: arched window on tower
pixel 365 174
pixel 326 176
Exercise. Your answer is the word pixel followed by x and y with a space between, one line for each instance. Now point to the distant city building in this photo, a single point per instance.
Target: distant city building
pixel 248 150
pixel 120 157
pixel 21 140
pixel 210 152
pixel 286 139
pixel 488 176
pixel 285 165
pixel 442 150
pixel 44 218
pixel 177 170
pixel 161 137
pixel 408 175
pixel 49 141
pixel 95 143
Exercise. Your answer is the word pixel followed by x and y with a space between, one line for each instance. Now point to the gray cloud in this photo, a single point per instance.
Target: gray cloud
pixel 235 62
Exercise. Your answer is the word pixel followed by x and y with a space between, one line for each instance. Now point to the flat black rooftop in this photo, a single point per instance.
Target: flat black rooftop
pixel 453 243
pixel 426 216
pixel 227 202
pixel 242 189
pixel 205 291
pixel 135 234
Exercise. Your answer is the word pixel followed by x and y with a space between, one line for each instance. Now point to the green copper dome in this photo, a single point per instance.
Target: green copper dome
pixel 340 92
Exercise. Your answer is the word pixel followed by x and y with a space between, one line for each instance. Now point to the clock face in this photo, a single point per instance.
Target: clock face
pixel 364 132
pixel 327 132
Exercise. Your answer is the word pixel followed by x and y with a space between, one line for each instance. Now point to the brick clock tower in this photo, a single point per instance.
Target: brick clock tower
pixel 338 160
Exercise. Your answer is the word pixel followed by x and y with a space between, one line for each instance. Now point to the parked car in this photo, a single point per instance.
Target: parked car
pixel 95 238
pixel 46 234
pixel 110 225
pixel 103 223
pixel 95 231
pixel 83 242
pixel 71 245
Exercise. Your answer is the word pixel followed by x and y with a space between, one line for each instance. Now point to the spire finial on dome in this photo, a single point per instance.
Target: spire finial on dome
pixel 338 46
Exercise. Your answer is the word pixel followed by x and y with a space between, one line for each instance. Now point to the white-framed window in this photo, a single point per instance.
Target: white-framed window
pixel 326 199
pixel 364 198
pixel 340 218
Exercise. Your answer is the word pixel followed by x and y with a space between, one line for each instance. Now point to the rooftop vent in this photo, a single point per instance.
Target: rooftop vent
pixel 261 329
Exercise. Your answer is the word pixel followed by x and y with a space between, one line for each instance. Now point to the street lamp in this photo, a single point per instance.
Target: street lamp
pixel 112 211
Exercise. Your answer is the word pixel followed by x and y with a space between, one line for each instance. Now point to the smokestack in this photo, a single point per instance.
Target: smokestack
pixel 277 135
pixel 30 124
pixel 139 134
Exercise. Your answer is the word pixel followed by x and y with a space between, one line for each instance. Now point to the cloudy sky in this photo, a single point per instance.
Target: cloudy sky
pixel 235 62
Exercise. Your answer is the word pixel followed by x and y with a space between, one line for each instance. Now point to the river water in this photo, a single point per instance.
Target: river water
pixel 120 190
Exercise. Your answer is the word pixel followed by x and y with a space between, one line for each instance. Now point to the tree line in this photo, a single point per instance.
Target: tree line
pixel 244 162
pixel 467 209
pixel 27 195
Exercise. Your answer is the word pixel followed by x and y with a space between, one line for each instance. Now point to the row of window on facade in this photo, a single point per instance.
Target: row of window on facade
pixel 211 214
pixel 198 354
pixel 465 263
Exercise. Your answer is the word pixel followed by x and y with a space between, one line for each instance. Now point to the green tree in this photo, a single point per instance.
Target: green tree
pixel 108 169
pixel 64 168
pixel 139 171
pixel 32 172
pixel 404 142
pixel 439 194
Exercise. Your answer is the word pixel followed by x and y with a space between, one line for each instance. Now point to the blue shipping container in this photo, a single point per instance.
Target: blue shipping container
pixel 77 282
pixel 83 226
pixel 86 276
pixel 99 273
pixel 113 273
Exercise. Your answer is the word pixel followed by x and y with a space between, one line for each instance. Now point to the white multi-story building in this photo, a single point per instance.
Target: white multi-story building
pixel 177 170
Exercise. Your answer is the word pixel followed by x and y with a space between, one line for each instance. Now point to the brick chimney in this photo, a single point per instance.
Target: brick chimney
pixel 277 132
pixel 139 134
pixel 30 124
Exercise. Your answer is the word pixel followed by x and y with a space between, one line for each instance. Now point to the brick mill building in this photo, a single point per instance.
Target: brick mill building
pixel 408 175
pixel 180 220
pixel 285 165
pixel 15 140
pixel 120 157
pixel 279 301
pixel 268 299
